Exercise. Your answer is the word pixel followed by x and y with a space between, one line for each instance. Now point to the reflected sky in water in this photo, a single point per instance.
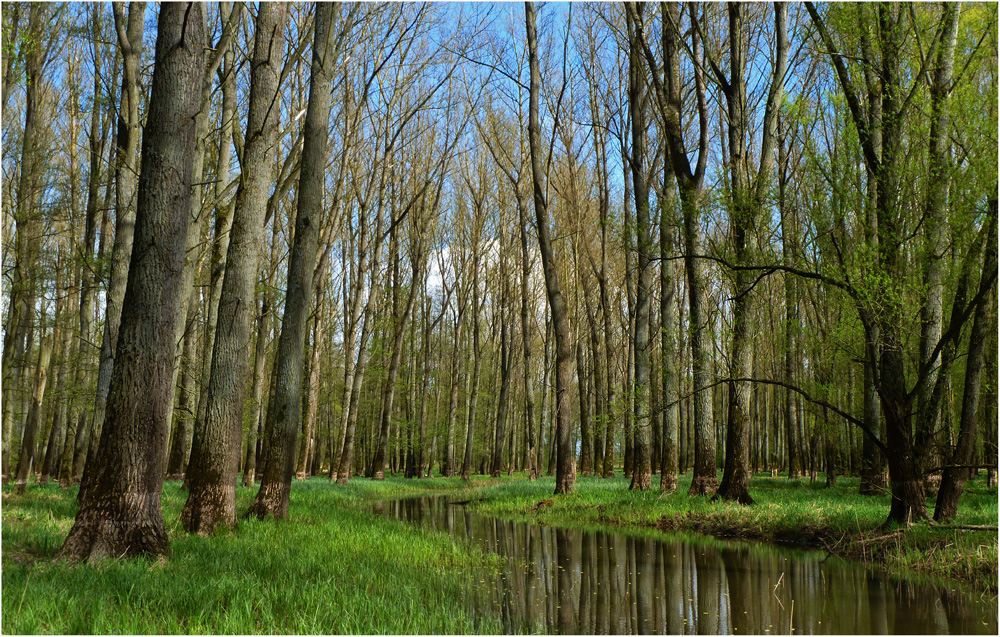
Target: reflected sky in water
pixel 561 581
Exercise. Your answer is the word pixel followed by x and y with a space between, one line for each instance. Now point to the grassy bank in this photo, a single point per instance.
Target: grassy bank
pixel 329 569
pixel 335 568
pixel 787 511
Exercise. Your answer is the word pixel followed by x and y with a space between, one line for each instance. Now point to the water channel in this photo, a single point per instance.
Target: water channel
pixel 591 582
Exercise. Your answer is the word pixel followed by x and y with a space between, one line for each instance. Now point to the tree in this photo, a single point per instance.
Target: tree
pixel 212 474
pixel 690 182
pixel 120 512
pixel 565 471
pixel 272 498
pixel 748 193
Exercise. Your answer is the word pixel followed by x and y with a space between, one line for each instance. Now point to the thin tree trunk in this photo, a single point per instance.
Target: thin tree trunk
pixel 565 471
pixel 33 423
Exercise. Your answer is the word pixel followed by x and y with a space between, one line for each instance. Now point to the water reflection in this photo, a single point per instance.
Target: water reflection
pixel 581 582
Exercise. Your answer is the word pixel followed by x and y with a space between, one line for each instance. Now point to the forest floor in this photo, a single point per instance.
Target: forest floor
pixel 328 569
pixel 388 576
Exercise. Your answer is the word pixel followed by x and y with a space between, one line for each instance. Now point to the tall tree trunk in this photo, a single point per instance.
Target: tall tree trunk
pixel 212 473
pixel 584 381
pixel 983 324
pixel 748 202
pixel 935 234
pixel 272 498
pixel 670 408
pixel 529 390
pixel 224 212
pixel 126 188
pixel 180 446
pixel 470 415
pixel 506 353
pixel 642 472
pixel 120 511
pixel 27 237
pixel 565 471
pixel 690 181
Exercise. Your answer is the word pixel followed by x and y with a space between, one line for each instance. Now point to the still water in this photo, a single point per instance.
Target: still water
pixel 585 582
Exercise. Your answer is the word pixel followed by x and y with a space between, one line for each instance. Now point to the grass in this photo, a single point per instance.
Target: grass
pixel 329 569
pixel 336 568
pixel 787 511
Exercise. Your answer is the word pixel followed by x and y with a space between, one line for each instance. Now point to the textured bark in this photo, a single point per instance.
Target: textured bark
pixel 935 225
pixel 983 324
pixel 120 511
pixel 307 448
pixel 565 471
pixel 668 339
pixel 33 423
pixel 183 423
pixel 690 183
pixel 212 474
pixel 224 215
pixel 199 213
pixel 747 207
pixel 642 472
pixel 88 432
pixel 28 231
pixel 272 498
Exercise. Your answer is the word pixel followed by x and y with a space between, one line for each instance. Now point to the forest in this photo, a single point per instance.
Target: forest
pixel 711 248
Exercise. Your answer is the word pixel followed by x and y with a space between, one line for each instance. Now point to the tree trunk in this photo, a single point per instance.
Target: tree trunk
pixel 32 425
pixel 212 474
pixel 935 236
pixel 180 447
pixel 272 498
pixel 120 511
pixel 983 324
pixel 642 472
pixel 668 341
pixel 307 446
pixel 126 181
pixel 27 237
pixel 565 471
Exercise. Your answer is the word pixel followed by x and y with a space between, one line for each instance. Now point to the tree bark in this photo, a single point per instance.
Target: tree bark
pixel 935 236
pixel 212 474
pixel 272 498
pixel 565 471
pixel 983 324
pixel 126 182
pixel 642 472
pixel 32 425
pixel 120 511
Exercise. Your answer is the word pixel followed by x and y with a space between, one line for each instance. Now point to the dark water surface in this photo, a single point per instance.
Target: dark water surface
pixel 585 582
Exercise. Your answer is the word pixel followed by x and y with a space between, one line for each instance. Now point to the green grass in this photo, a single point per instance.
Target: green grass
pixel 333 567
pixel 328 569
pixel 788 511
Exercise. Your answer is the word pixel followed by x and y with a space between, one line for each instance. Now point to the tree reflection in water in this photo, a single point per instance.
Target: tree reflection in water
pixel 561 581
